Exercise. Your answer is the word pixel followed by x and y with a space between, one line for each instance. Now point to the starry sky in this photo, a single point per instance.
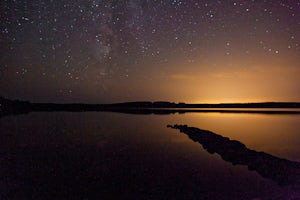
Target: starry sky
pixel 103 51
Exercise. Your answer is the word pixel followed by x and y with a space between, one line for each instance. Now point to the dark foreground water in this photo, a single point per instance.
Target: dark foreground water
pixel 96 155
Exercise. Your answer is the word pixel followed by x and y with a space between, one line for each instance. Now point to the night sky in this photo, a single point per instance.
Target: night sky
pixel 100 51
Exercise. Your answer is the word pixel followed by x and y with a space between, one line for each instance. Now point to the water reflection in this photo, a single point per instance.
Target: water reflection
pixel 282 171
pixel 104 155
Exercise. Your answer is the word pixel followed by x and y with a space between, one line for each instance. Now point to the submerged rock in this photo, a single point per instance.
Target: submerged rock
pixel 282 171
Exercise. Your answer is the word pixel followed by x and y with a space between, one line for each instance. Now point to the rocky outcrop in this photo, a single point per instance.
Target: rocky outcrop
pixel 282 171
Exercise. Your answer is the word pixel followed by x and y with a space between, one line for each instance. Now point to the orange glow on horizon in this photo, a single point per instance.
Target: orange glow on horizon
pixel 258 83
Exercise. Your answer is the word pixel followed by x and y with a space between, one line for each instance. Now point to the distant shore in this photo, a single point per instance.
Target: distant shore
pixel 8 107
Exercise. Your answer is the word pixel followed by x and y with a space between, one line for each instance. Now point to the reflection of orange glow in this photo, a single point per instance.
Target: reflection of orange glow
pixel 257 131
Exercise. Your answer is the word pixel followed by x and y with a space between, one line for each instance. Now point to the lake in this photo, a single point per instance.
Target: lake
pixel 104 155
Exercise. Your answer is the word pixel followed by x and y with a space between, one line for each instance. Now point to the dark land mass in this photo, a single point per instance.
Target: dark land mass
pixel 282 171
pixel 11 107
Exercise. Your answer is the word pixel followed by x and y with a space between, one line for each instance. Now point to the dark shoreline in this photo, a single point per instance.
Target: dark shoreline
pixel 11 107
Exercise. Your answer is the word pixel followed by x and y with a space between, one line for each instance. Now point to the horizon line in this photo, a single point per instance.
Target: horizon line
pixel 152 101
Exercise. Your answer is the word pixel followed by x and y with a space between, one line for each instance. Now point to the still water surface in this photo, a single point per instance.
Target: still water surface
pixel 99 155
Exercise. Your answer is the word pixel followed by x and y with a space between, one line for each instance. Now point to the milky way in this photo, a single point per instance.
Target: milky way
pixel 99 51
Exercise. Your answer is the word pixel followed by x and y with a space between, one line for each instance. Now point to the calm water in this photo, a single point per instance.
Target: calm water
pixel 96 155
